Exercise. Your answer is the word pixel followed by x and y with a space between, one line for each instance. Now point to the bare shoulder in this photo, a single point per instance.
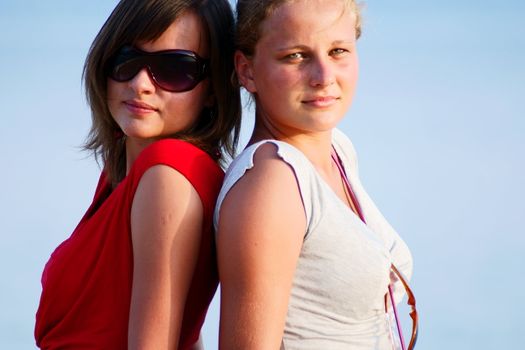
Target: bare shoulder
pixel 266 196
pixel 163 197
pixel 162 180
pixel 270 179
pixel 161 175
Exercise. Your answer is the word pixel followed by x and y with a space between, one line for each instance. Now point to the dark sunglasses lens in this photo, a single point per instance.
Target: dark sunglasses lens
pixel 125 67
pixel 176 72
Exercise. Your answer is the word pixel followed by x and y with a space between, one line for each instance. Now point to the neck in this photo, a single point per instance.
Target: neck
pixel 133 149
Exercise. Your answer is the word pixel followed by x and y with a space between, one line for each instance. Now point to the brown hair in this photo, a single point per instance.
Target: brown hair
pixel 251 13
pixel 133 21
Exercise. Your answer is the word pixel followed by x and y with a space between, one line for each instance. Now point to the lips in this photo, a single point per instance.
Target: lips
pixel 139 104
pixel 139 107
pixel 320 101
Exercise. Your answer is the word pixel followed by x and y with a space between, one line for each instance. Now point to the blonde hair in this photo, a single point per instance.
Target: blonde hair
pixel 251 14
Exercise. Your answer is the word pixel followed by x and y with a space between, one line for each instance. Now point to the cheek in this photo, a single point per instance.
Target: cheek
pixel 187 107
pixel 197 98
pixel 277 82
pixel 351 77
pixel 348 74
pixel 112 87
pixel 355 70
pixel 113 91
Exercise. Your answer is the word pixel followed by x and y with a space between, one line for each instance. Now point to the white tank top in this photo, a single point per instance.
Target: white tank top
pixel 342 275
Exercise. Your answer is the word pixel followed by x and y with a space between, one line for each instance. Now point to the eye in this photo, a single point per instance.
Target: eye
pixel 339 52
pixel 295 57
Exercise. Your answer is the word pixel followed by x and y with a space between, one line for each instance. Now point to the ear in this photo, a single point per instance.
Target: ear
pixel 244 71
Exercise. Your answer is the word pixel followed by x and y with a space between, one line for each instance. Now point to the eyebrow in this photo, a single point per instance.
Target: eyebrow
pixel 305 47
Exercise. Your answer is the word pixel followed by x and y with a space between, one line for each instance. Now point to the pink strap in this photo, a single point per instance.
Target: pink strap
pixel 398 324
pixel 337 161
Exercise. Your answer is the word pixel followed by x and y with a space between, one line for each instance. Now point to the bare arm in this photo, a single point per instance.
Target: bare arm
pixel 166 223
pixel 261 228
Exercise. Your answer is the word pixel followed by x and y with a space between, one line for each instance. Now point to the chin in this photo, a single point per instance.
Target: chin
pixel 142 135
pixel 325 125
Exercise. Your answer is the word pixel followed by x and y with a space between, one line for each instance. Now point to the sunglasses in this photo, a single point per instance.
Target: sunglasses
pixel 171 70
pixel 413 312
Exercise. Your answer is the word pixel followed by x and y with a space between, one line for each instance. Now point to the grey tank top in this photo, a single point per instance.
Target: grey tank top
pixel 342 275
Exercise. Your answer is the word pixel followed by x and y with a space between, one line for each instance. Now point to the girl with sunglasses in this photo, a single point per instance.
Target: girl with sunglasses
pixel 139 271
pixel 304 254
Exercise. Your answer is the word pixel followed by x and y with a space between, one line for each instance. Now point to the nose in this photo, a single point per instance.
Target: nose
pixel 142 83
pixel 322 73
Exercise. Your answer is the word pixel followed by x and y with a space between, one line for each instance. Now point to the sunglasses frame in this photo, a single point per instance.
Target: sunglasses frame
pixel 130 53
pixel 411 301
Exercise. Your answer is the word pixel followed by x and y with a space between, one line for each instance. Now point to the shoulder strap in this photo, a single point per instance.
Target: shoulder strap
pixel 353 198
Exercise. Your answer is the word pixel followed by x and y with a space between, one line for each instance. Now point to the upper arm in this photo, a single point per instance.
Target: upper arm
pixel 260 232
pixel 166 226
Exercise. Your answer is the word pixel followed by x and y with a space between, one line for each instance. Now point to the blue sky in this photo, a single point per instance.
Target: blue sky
pixel 438 123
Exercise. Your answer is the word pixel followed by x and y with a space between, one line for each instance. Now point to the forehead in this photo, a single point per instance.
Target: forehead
pixel 186 32
pixel 308 20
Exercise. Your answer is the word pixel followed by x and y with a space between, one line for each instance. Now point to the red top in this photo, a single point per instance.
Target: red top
pixel 86 284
